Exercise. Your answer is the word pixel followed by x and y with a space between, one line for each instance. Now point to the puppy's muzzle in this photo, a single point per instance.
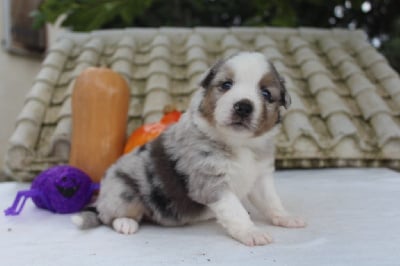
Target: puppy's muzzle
pixel 243 108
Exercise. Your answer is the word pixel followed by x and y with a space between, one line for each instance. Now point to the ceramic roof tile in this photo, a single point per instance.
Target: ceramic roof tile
pixel 196 67
pixel 272 53
pixel 348 69
pixel 158 99
pixel 59 142
pixel 230 41
pixel 51 115
pixel 79 68
pixel 304 54
pixel 328 44
pixel 40 91
pixel 320 82
pixel 159 52
pixel 123 67
pixel 55 60
pixel 22 143
pixel 295 43
pixel 49 75
pixel 230 51
pixel 312 67
pixel 135 107
pixel 370 104
pixel 337 56
pixel 160 40
pixel 246 33
pixel 66 110
pixel 195 40
pixel 359 45
pixel 331 103
pixel 297 126
pixel 386 128
pixel 158 66
pixel 297 104
pixel 359 83
pixel 61 93
pixel 194 82
pixel 370 57
pixel 195 53
pixel 262 41
pixel 340 126
pixel 392 85
pixel 176 33
pixel 157 82
pixel 32 111
pixel 64 46
pixel 127 42
pixel 65 77
pixel 289 84
pixel 281 33
pixel 211 33
pixel 94 44
pixel 396 99
pixel 307 31
pixel 70 88
pixel 122 53
pixel 89 56
pixel 143 34
pixel 382 70
pixel 345 97
pixel 281 67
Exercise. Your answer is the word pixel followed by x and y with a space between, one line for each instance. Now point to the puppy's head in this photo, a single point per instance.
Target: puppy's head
pixel 243 95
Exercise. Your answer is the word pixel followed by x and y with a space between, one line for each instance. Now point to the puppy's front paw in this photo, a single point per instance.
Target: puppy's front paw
pixel 125 226
pixel 288 221
pixel 253 237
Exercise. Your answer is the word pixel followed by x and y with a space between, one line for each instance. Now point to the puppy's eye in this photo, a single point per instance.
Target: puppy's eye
pixel 266 94
pixel 227 85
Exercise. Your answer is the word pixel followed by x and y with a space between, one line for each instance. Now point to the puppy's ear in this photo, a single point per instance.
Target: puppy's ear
pixel 286 101
pixel 285 97
pixel 207 78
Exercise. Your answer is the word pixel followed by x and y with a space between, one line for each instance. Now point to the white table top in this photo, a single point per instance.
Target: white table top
pixel 353 218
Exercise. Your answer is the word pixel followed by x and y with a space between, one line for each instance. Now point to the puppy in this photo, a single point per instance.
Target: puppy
pixel 220 153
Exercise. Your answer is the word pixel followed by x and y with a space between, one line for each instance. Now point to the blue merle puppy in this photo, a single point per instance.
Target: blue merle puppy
pixel 220 153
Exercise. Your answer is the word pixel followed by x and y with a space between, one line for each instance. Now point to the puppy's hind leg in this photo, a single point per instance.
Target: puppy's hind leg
pixel 124 218
pixel 119 204
pixel 126 226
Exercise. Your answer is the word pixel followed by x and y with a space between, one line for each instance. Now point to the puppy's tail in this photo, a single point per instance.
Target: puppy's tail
pixel 88 218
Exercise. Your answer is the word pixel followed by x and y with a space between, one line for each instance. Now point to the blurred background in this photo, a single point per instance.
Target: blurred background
pixel 26 30
pixel 380 19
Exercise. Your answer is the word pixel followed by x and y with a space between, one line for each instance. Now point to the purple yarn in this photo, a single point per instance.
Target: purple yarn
pixel 60 189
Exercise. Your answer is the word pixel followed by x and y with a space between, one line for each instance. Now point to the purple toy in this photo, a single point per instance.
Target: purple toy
pixel 60 189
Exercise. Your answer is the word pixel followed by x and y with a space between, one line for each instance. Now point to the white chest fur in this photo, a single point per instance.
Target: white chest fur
pixel 243 171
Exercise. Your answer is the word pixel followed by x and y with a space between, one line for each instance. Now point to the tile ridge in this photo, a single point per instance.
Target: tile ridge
pixel 60 141
pixel 296 126
pixel 386 128
pixel 121 60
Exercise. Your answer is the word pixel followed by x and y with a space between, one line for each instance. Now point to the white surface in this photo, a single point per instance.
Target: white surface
pixel 353 217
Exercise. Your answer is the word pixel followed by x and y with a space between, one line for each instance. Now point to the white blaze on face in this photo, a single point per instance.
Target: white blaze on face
pixel 247 70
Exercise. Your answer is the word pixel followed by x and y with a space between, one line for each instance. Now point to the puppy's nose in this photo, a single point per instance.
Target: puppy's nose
pixel 243 108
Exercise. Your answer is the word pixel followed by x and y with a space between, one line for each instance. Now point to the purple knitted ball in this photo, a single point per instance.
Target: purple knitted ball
pixel 62 189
